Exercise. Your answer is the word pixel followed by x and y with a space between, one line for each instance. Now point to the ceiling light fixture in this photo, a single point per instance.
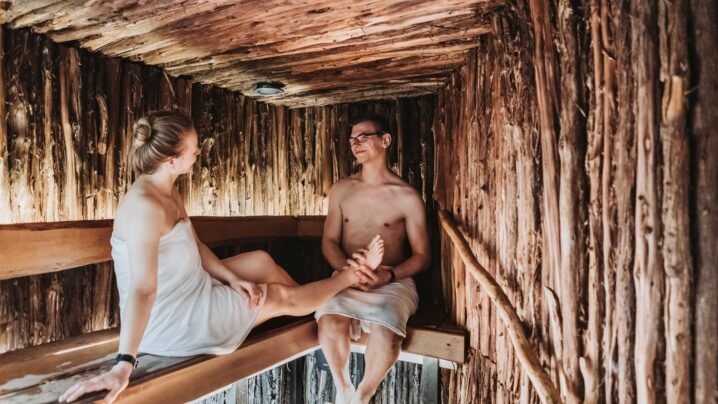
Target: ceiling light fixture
pixel 269 89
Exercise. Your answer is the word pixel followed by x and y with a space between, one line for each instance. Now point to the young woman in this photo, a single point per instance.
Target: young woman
pixel 176 297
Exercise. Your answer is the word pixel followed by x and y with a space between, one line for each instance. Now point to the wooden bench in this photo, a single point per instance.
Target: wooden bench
pixel 42 373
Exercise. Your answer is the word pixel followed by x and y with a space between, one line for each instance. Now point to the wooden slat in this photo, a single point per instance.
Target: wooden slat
pixel 36 248
pixel 219 229
pixel 310 226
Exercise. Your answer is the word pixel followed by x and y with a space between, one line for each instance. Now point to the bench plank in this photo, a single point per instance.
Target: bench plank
pixel 37 248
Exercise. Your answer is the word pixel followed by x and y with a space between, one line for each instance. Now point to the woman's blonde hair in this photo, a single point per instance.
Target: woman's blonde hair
pixel 158 137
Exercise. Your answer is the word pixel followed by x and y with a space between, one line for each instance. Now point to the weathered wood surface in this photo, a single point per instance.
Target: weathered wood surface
pixel 323 51
pixel 703 195
pixel 580 171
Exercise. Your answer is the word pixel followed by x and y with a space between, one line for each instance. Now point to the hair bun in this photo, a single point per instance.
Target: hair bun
pixel 143 131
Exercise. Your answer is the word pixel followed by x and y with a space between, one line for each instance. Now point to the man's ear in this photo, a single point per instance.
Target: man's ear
pixel 386 140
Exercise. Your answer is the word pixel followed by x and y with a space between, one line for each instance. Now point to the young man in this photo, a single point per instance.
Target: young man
pixel 375 201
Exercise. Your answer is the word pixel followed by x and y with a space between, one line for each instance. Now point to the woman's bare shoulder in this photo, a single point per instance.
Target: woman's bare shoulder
pixel 138 207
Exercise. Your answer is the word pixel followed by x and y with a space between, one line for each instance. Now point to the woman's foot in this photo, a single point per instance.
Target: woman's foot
pixel 374 252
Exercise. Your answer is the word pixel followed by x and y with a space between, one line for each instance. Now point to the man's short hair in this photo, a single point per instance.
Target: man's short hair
pixel 381 122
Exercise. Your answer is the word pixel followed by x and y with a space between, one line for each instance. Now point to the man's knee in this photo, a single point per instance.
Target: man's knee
pixel 334 324
pixel 385 336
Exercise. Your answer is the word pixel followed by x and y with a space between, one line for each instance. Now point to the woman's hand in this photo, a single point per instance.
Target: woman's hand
pixel 249 290
pixel 114 380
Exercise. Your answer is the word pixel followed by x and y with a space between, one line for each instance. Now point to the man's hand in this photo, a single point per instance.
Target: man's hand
pixel 114 380
pixel 369 279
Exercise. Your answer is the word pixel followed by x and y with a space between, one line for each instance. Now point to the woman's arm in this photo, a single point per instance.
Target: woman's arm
pixel 214 266
pixel 142 236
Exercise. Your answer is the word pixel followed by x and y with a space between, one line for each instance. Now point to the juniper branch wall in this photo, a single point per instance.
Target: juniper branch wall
pixel 585 178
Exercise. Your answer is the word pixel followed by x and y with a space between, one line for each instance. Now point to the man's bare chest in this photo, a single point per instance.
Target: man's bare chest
pixel 371 211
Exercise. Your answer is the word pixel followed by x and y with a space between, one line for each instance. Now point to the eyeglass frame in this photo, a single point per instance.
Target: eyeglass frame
pixel 355 139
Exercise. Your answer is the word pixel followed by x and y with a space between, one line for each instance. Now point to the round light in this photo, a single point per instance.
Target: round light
pixel 269 89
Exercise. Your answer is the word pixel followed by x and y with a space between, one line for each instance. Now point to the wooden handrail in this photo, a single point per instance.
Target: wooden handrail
pixel 524 350
pixel 37 248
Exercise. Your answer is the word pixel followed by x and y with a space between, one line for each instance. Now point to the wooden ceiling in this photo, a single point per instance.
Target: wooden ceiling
pixel 324 52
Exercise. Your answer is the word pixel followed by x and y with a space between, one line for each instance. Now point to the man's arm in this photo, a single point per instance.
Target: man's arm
pixel 418 239
pixel 331 237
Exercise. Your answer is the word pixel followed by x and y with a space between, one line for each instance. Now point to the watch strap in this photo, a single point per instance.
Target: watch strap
pixel 126 358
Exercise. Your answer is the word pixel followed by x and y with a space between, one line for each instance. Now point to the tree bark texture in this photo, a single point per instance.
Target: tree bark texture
pixel 587 133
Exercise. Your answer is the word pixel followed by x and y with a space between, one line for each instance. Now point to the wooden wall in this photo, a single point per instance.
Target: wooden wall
pixel 585 176
pixel 63 156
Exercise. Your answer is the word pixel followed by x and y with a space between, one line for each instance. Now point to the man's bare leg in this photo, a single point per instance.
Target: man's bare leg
pixel 382 351
pixel 334 340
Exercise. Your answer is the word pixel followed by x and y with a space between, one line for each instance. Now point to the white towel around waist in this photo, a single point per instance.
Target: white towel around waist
pixel 390 305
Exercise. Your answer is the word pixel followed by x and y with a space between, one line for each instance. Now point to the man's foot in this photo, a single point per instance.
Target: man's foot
pixel 357 399
pixel 345 395
pixel 362 396
pixel 374 252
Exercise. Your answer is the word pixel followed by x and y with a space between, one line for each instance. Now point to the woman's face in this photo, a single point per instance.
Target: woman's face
pixel 182 164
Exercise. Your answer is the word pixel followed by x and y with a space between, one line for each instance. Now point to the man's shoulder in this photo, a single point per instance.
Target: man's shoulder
pixel 403 188
pixel 344 184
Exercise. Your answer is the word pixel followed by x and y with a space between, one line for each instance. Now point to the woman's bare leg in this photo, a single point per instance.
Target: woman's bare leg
pixel 284 300
pixel 258 267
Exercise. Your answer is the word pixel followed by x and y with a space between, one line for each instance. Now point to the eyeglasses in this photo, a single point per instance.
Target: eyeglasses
pixel 363 137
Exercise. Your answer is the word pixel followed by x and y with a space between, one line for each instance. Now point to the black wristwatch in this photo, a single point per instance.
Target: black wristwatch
pixel 392 276
pixel 126 358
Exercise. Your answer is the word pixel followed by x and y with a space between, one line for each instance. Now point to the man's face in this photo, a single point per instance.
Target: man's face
pixel 367 142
